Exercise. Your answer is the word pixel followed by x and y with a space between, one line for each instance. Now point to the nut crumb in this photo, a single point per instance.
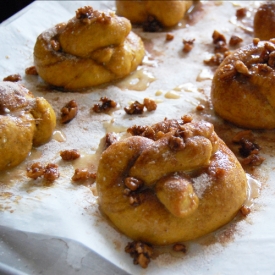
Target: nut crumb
pixel 83 174
pixel 169 36
pixel 31 71
pixel 106 105
pixel 188 45
pixel 235 40
pixel 69 154
pixel 245 210
pixel 35 171
pixel 51 172
pixel 134 108
pixel 13 78
pixel 241 12
pixel 150 104
pixel 178 247
pixel 140 252
pixel 69 112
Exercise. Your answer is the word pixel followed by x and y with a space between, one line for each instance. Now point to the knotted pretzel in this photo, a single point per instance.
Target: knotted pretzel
pixel 167 13
pixel 90 49
pixel 172 182
pixel 242 87
pixel 25 121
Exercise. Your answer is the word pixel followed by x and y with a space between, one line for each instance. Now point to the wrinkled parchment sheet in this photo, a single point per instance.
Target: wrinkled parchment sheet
pixel 178 82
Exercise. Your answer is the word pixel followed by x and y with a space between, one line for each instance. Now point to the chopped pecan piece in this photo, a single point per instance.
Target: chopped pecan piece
pixel 169 36
pixel 220 47
pixel 247 147
pixel 245 210
pixel 82 175
pixel 141 252
pixel 106 105
pixel 55 45
pixel 241 12
pixel 134 108
pixel 110 138
pixel 31 71
pixel 35 171
pixel 84 12
pixel 217 37
pixel 178 247
pixel 176 143
pixel 235 40
pixel 69 112
pixel 241 67
pixel 132 183
pixel 256 41
pixel 69 154
pixel 13 78
pixel 51 172
pixel 149 104
pixel 188 45
pixel 253 160
pixel 215 60
pixel 136 130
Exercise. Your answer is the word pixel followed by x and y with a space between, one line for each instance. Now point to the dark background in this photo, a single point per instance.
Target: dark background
pixel 10 7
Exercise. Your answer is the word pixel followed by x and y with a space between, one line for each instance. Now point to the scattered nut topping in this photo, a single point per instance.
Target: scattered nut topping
pixel 150 104
pixel 228 71
pixel 256 41
pixel 220 47
pixel 186 118
pixel 134 108
pixel 35 171
pixel 69 112
pixel 110 139
pixel 132 183
pixel 249 150
pixel 241 67
pixel 136 130
pixel 235 40
pixel 178 247
pixel 151 25
pixel 169 36
pixel 271 59
pixel 31 71
pixel 140 252
pixel 188 45
pixel 247 134
pixel 245 210
pixel 241 12
pixel 13 78
pixel 176 143
pixel 106 105
pixel 218 37
pixel 55 45
pixel 49 172
pixel 82 175
pixel 69 154
pixel 253 160
pixel 200 107
pixel 87 15
pixel 215 60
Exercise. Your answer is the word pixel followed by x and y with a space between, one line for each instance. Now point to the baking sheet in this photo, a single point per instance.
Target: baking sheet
pixel 178 82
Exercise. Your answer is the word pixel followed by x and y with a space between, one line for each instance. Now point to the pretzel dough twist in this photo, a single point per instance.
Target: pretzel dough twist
pixel 242 88
pixel 91 49
pixel 167 13
pixel 25 121
pixel 173 167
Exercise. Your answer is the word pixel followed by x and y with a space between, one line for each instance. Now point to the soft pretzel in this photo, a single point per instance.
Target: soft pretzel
pixel 92 48
pixel 264 21
pixel 167 13
pixel 173 182
pixel 25 121
pixel 242 87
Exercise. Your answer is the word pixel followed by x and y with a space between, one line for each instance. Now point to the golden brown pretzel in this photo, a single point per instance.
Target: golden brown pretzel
pixel 24 121
pixel 184 182
pixel 264 21
pixel 91 49
pixel 242 87
pixel 167 13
